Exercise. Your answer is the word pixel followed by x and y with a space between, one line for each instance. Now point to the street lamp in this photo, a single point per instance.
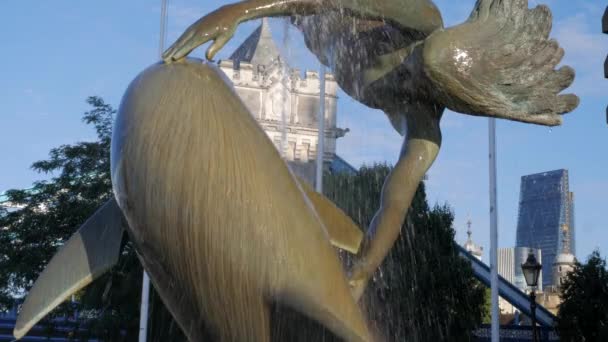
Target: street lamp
pixel 531 269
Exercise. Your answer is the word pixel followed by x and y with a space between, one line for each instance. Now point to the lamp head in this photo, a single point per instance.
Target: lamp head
pixel 531 269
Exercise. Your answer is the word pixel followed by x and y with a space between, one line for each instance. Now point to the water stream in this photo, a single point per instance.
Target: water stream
pixel 285 91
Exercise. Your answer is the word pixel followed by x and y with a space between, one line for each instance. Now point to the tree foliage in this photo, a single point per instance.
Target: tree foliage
pixel 424 290
pixel 583 313
pixel 51 211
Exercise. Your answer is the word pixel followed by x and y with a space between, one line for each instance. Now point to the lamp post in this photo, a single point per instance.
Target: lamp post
pixel 531 269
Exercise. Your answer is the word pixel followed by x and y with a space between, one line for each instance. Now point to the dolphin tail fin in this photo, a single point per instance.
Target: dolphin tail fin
pixel 327 300
pixel 89 253
pixel 343 232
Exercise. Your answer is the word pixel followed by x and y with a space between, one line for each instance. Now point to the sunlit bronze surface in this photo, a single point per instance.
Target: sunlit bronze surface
pixel 219 221
pixel 499 63
pixel 343 232
pixel 245 232
pixel 93 250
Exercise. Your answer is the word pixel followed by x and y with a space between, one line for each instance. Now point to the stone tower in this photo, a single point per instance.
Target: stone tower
pixel 565 260
pixel 470 246
pixel 285 102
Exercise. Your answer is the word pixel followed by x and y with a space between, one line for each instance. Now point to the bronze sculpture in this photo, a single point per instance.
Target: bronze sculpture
pixel 196 179
pixel 396 56
pixel 223 229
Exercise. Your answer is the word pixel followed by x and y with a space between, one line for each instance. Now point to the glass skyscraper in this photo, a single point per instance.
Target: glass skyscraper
pixel 546 217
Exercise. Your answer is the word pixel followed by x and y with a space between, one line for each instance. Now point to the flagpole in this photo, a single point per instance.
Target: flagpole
pixel 493 230
pixel 145 286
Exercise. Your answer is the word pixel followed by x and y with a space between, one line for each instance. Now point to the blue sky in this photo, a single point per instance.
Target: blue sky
pixel 57 53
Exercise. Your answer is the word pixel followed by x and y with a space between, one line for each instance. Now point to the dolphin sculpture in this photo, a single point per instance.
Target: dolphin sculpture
pixel 396 56
pixel 191 168
pixel 219 222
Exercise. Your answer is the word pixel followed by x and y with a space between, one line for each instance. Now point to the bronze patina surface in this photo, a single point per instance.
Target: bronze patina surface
pixel 219 221
pixel 222 226
pixel 89 253
pixel 499 63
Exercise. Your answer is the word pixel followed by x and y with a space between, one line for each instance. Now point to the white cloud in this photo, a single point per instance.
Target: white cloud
pixel 586 50
pixel 576 37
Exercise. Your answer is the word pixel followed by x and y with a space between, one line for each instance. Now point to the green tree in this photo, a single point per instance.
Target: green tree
pixel 487 316
pixel 52 210
pixel 424 290
pixel 583 313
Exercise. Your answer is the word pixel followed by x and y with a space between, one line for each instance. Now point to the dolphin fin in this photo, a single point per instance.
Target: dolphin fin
pixel 343 232
pixel 89 253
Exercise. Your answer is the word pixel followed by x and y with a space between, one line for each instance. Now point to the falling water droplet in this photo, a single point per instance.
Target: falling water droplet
pixel 285 90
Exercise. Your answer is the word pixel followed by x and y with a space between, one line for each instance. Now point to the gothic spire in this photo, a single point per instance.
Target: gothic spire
pixel 259 48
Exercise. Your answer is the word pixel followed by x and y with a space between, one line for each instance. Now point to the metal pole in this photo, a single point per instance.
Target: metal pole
pixel 321 135
pixel 145 285
pixel 493 230
pixel 143 312
pixel 163 27
pixel 533 310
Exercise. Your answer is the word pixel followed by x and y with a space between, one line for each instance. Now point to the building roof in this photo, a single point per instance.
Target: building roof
pixel 559 172
pixel 339 165
pixel 258 48
pixel 565 258
pixel 469 245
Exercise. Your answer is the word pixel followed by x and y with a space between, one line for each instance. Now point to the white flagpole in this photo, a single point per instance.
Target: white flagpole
pixel 493 230
pixel 143 315
pixel 145 287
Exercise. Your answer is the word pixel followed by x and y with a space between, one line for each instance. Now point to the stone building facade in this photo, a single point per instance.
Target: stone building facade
pixel 286 102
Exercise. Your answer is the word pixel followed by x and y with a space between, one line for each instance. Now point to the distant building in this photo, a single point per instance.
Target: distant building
pixel 564 263
pixel 551 297
pixel 509 267
pixel 506 264
pixel 470 246
pixel 546 217
pixel 273 92
pixel 520 255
